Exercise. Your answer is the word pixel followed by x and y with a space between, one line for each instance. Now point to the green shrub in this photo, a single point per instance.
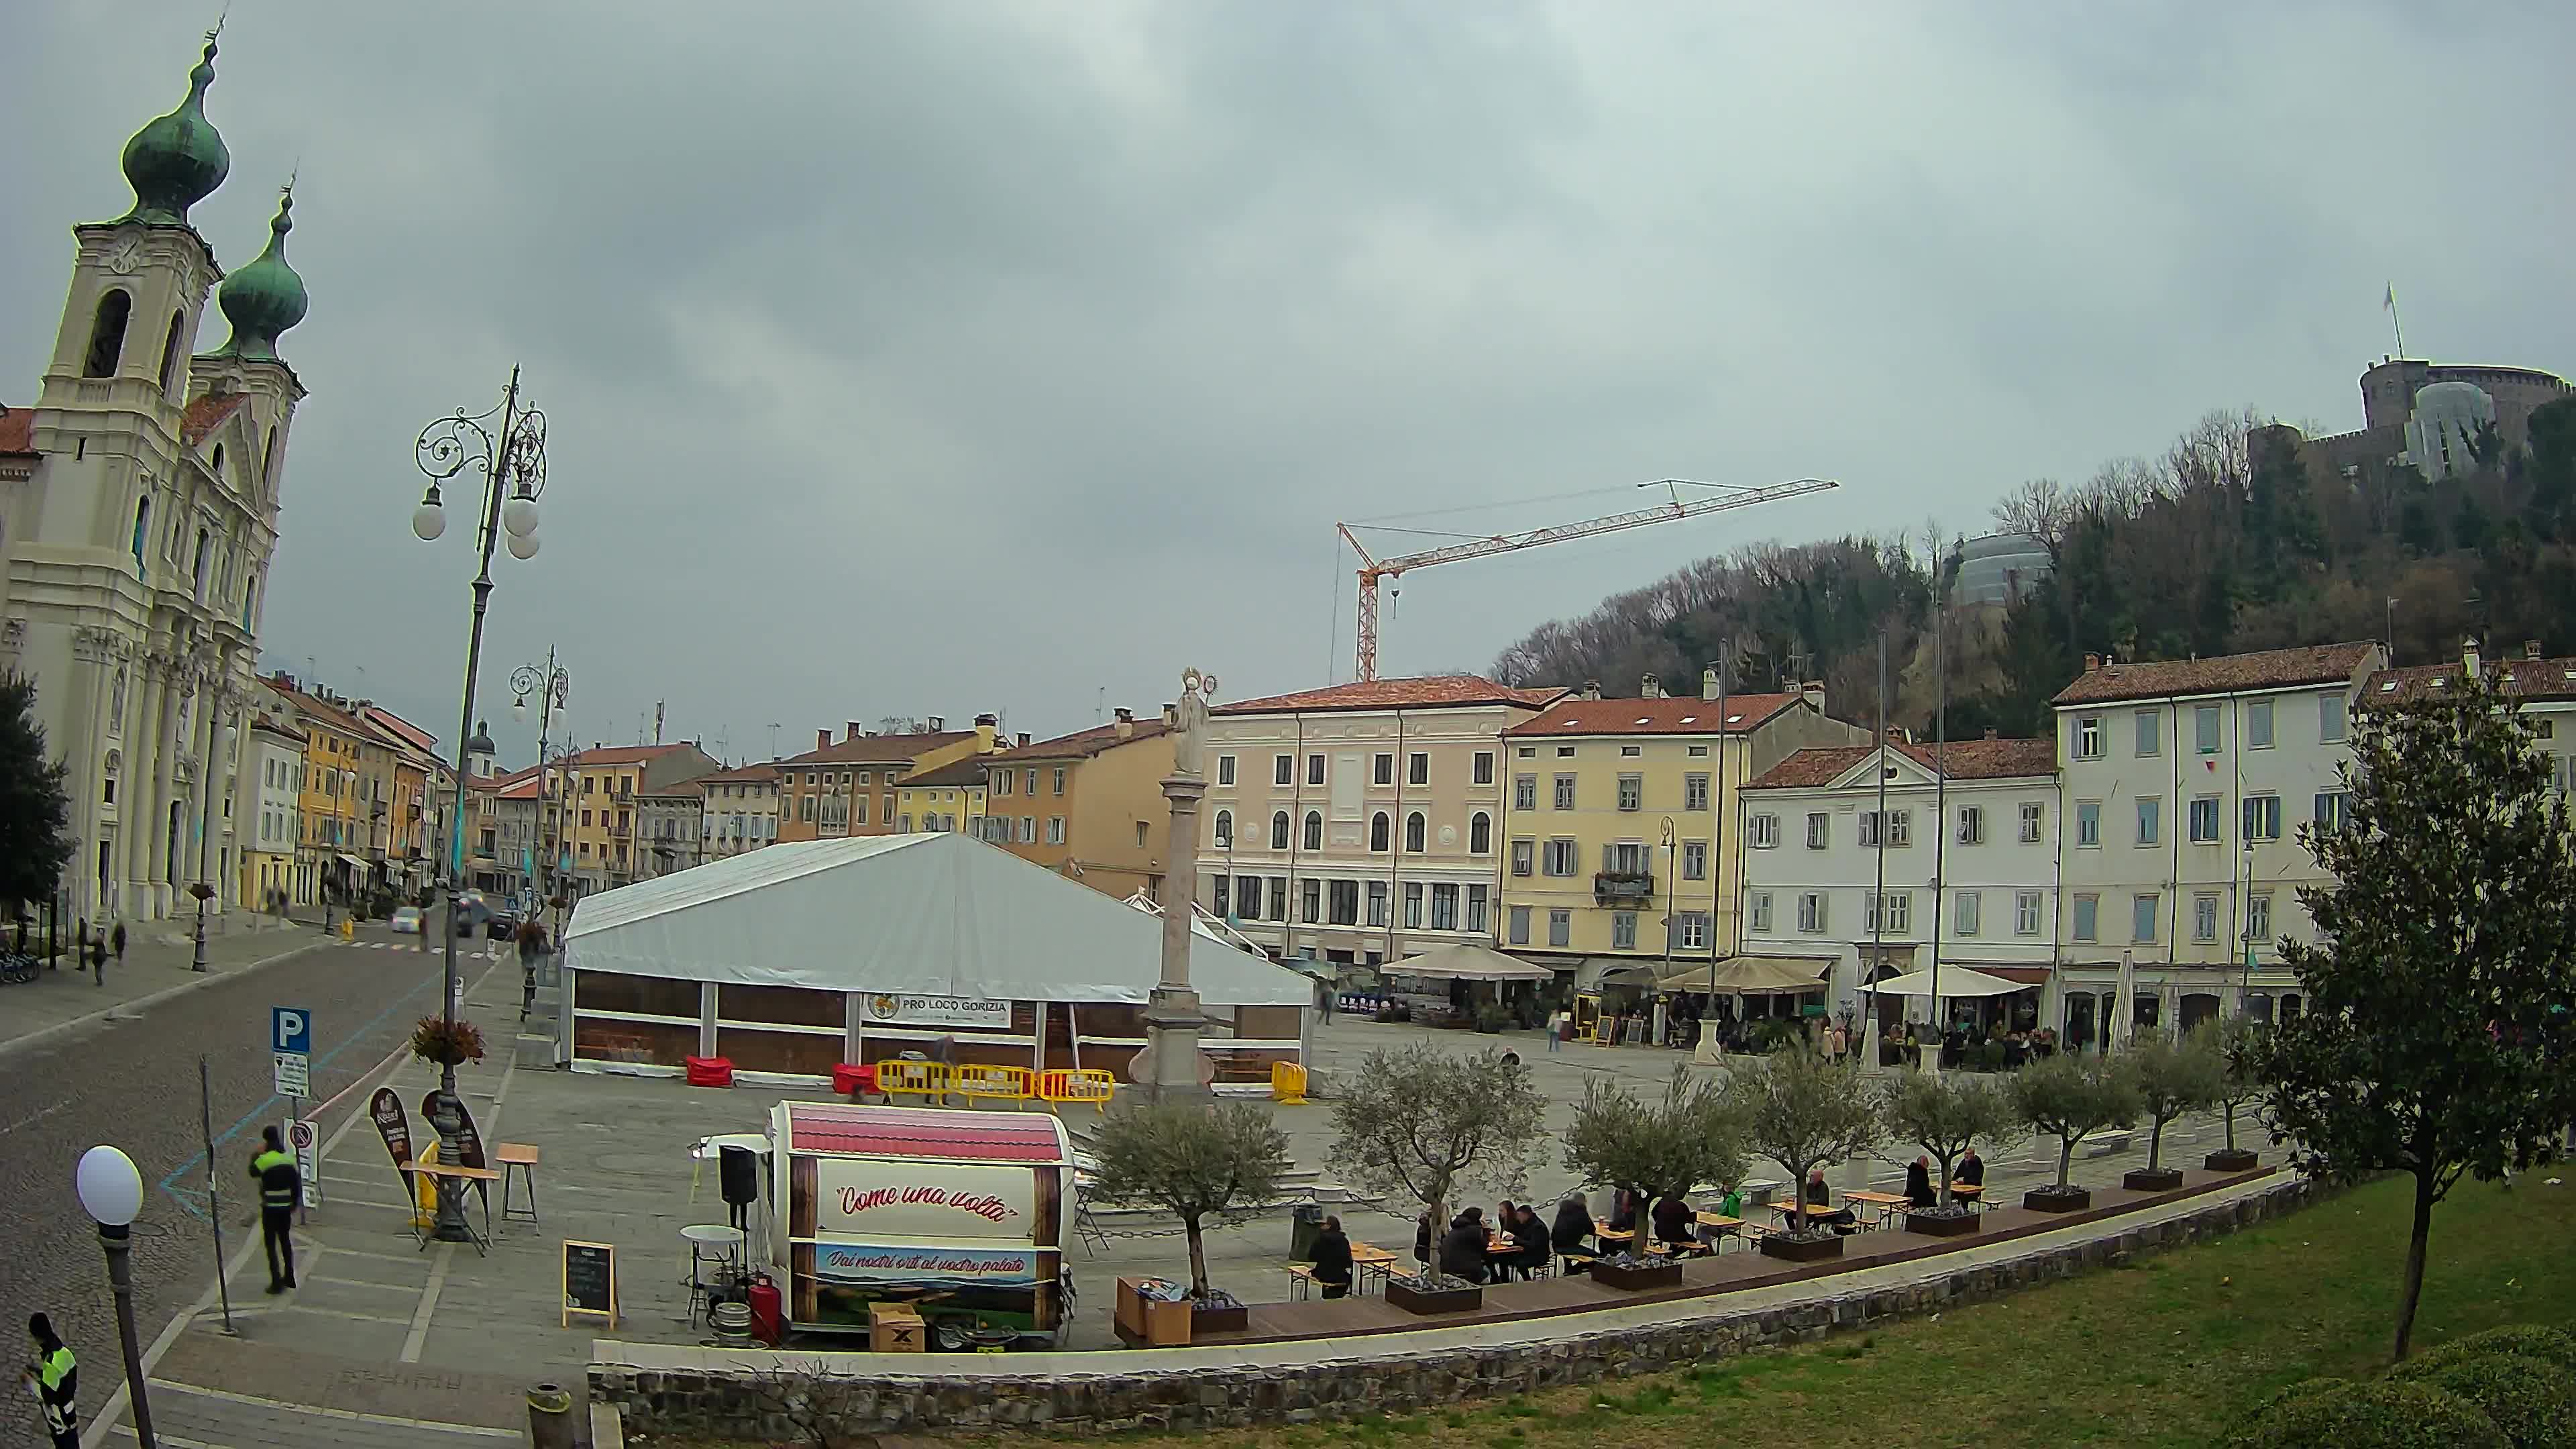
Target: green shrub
pixel 2519 1340
pixel 2523 1396
pixel 2381 1415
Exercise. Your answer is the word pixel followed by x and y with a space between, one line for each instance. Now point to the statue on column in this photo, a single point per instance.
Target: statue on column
pixel 1190 715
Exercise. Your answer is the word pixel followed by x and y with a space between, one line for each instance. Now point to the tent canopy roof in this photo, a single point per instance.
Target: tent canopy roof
pixel 1955 981
pixel 928 914
pixel 1468 961
pixel 1752 975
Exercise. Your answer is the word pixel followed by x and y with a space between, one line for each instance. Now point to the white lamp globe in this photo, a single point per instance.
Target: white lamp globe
pixel 111 1191
pixel 428 521
pixel 523 545
pixel 519 515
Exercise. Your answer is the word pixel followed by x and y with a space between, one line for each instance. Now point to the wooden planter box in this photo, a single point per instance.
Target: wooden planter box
pixel 2162 1179
pixel 1236 1319
pixel 1650 1275
pixel 1942 1225
pixel 1801 1250
pixel 1463 1299
pixel 2231 1159
pixel 2050 1200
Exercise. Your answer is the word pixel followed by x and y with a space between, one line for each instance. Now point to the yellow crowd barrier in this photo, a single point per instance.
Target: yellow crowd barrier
pixel 981 1082
pixel 922 1079
pixel 1088 1085
pixel 1288 1084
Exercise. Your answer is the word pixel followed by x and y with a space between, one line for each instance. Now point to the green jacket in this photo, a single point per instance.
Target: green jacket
pixel 278 1179
pixel 56 1386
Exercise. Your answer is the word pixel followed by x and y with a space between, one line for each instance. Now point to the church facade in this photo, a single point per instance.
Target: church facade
pixel 139 499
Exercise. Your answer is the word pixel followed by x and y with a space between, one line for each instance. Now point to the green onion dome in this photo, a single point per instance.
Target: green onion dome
pixel 265 298
pixel 178 160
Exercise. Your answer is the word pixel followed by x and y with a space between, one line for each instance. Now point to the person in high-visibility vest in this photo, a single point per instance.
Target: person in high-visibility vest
pixel 54 1377
pixel 279 1185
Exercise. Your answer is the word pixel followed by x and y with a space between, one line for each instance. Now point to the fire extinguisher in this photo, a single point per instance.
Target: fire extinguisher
pixel 768 1317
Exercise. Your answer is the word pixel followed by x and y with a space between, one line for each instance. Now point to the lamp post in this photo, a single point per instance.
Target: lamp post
pixel 1172 1012
pixel 513 464
pixel 553 688
pixel 111 1192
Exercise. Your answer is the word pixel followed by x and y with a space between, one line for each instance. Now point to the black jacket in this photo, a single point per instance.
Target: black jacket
pixel 1973 1172
pixel 1673 1220
pixel 1422 1239
pixel 1918 1186
pixel 1573 1226
pixel 1332 1256
pixel 1531 1236
pixel 1462 1251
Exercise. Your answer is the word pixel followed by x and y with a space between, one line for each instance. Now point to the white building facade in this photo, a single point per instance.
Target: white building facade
pixel 2184 784
pixel 272 815
pixel 739 811
pixel 1965 869
pixel 1290 846
pixel 138 513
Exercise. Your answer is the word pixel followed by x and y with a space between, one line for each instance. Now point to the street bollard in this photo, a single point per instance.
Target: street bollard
pixel 550 1417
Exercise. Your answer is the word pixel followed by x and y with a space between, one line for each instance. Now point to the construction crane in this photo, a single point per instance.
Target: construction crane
pixel 1373 569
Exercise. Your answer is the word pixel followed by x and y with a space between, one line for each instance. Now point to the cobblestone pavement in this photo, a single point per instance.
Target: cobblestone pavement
pixel 131 1080
pixel 157 959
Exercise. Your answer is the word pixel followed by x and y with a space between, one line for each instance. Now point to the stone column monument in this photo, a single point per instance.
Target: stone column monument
pixel 1174 1069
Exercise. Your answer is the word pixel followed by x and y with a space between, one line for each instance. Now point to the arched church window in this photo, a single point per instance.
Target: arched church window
pixel 107 333
pixel 218 468
pixel 170 351
pixel 142 527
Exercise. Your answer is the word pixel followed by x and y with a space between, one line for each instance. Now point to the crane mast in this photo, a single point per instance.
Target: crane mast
pixel 1373 569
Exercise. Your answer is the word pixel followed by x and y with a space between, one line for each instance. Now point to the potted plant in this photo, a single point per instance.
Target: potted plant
pixel 1692 1135
pixel 1945 1115
pixel 2236 1041
pixel 447 1044
pixel 2070 1098
pixel 1197 1162
pixel 1802 1111
pixel 2171 1078
pixel 1432 1291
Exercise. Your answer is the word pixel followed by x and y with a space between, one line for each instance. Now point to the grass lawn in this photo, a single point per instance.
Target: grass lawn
pixel 2165 1352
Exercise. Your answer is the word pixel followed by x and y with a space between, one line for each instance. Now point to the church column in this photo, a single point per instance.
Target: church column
pixel 141 801
pixel 93 736
pixel 179 692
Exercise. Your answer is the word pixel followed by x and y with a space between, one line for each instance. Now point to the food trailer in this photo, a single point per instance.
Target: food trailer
pixel 957 1215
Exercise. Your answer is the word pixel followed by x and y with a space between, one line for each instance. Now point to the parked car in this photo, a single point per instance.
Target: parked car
pixel 407 921
pixel 503 924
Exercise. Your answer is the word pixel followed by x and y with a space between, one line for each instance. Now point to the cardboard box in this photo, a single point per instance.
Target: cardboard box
pixel 895 1328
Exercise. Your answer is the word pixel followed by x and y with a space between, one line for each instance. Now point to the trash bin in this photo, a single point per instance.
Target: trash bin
pixel 1305 1224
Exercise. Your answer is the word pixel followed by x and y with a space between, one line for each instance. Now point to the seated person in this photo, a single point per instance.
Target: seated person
pixel 1574 1228
pixel 1462 1248
pixel 1623 1210
pixel 1532 1237
pixel 1675 1222
pixel 1731 1205
pixel 1818 1196
pixel 1918 1184
pixel 1331 1256
pixel 1972 1169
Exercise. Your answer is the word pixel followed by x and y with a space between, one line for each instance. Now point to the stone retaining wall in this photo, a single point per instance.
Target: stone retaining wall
pixel 746 1403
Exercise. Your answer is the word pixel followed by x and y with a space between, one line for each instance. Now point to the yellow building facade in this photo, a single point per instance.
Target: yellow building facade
pixel 1088 805
pixel 947 797
pixel 331 836
pixel 850 788
pixel 1615 819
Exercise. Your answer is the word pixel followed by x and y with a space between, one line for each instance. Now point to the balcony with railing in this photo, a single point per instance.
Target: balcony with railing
pixel 1623 885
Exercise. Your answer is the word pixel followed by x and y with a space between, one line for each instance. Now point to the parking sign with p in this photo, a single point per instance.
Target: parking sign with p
pixel 290 1043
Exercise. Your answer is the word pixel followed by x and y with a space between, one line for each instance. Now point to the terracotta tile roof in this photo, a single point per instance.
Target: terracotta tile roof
pixel 2266 669
pixel 1571 716
pixel 319 708
pixel 878 749
pixel 1963 759
pixel 2519 678
pixel 1083 744
pixel 521 789
pixel 622 754
pixel 1426 692
pixel 208 413
pixel 762 774
pixel 18 431
pixel 969 771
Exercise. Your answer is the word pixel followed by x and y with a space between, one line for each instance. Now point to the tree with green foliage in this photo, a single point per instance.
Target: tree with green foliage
pixel 2430 1046
pixel 1945 1114
pixel 1199 1162
pixel 2173 1078
pixel 1688 1137
pixel 2071 1097
pixel 2237 1042
pixel 1803 1112
pixel 35 814
pixel 1424 1122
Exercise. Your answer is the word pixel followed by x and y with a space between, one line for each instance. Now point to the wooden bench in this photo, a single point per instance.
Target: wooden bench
pixel 1301 1280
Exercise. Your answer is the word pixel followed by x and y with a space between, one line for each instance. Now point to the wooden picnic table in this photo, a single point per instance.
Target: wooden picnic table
pixel 1888 1204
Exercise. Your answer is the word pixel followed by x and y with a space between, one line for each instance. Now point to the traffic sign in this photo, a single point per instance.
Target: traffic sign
pixel 290 1041
pixel 305 1143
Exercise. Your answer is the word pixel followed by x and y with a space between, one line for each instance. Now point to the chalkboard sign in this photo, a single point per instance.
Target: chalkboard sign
pixel 589 1280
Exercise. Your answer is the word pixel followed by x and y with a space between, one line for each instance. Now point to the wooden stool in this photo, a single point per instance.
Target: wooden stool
pixel 522 1158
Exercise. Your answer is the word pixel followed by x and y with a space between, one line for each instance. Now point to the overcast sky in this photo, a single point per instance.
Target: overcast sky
pixel 941 357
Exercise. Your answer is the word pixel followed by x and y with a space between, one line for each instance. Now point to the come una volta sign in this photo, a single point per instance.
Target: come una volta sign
pixel 935 1200
pixel 937 1011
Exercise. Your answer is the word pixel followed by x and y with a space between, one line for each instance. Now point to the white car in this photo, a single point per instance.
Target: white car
pixel 407 921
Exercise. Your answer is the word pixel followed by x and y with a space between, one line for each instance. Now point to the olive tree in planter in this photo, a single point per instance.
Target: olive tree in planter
pixel 1803 1112
pixel 1945 1114
pixel 2172 1078
pixel 1688 1137
pixel 2236 1040
pixel 1423 1122
pixel 2070 1098
pixel 1198 1162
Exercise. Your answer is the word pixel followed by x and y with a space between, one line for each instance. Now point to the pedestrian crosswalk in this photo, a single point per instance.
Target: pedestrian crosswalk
pixel 490 952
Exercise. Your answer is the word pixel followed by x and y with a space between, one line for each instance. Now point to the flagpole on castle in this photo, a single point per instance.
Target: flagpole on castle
pixel 2399 323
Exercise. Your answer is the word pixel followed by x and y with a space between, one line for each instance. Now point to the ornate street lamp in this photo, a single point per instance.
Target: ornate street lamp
pixel 512 461
pixel 553 689
pixel 111 1192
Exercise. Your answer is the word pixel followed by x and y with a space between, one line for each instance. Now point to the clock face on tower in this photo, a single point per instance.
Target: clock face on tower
pixel 127 255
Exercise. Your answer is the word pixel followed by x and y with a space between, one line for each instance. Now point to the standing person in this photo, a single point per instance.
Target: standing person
pixel 1423 1238
pixel 1331 1256
pixel 54 1379
pixel 116 943
pixel 279 1185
